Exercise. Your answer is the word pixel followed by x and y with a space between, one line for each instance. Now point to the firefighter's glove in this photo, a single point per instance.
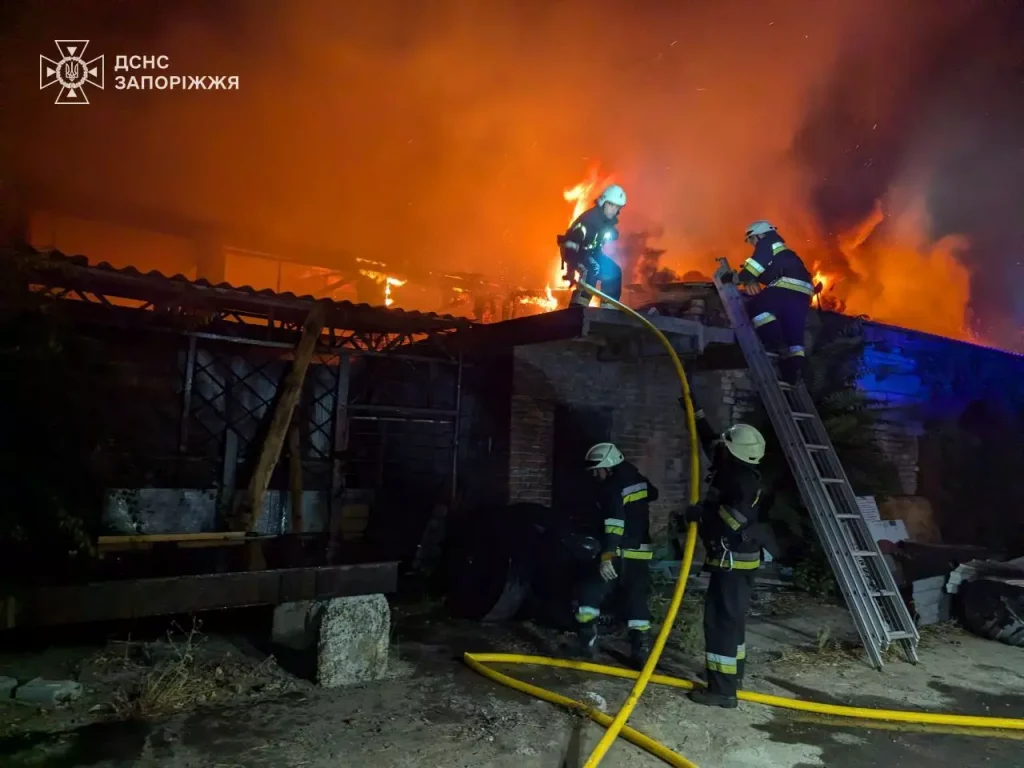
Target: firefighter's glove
pixel 693 514
pixel 608 572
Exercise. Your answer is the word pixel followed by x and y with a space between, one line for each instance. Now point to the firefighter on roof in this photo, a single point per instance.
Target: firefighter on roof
pixel 581 245
pixel 779 311
pixel 729 528
pixel 623 494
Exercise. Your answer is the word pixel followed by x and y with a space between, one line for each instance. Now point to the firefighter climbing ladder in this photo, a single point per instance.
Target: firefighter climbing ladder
pixel 863 576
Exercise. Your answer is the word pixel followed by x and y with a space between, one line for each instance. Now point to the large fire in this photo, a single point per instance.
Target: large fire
pixel 886 268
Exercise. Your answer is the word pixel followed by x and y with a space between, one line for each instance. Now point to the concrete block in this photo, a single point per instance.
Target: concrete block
pixel 355 633
pixel 48 693
pixel 7 686
pixel 297 625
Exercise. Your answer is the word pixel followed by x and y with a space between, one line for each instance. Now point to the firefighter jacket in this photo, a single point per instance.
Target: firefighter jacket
pixel 729 524
pixel 775 265
pixel 624 496
pixel 585 236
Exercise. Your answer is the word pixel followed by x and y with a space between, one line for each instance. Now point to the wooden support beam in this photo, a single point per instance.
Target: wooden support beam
pixel 295 477
pixel 288 398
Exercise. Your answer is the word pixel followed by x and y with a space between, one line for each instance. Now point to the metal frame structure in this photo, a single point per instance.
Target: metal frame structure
pixel 237 345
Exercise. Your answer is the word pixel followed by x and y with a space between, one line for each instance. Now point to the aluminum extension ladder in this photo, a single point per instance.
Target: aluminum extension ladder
pixel 863 576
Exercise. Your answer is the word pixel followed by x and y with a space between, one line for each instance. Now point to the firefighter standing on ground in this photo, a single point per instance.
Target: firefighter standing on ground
pixel 624 494
pixel 728 524
pixel 779 311
pixel 581 245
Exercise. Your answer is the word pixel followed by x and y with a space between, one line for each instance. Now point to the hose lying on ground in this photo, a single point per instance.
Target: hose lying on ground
pixel 616 725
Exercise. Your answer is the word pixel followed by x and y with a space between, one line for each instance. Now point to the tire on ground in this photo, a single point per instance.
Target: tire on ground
pixel 994 609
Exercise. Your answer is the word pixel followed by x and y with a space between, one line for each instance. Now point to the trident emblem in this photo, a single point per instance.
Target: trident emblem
pixel 71 72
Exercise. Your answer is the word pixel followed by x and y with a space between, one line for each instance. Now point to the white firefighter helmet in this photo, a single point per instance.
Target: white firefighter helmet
pixel 604 456
pixel 745 443
pixel 759 228
pixel 614 194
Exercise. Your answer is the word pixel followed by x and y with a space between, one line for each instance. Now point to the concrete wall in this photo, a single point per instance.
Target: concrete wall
pixel 647 421
pixel 922 381
pixel 950 429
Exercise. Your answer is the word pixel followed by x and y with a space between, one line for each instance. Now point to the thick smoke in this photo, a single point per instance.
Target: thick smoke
pixel 443 133
pixel 945 127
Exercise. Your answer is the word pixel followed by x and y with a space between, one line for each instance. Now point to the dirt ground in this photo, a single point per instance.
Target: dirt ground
pixel 218 702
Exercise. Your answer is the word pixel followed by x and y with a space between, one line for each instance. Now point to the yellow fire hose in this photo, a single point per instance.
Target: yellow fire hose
pixel 615 726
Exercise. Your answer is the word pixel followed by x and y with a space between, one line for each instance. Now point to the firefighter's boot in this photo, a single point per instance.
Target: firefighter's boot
pixel 587 637
pixel 639 648
pixel 708 699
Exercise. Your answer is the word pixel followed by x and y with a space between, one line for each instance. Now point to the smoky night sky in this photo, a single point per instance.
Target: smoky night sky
pixel 445 132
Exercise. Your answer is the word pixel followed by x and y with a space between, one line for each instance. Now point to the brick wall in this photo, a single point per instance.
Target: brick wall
pixel 647 422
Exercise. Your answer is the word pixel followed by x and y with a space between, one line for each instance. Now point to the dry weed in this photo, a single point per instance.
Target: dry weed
pixel 173 683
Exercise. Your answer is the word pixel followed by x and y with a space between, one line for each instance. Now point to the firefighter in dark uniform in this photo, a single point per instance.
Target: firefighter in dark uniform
pixel 581 246
pixel 623 495
pixel 728 525
pixel 779 311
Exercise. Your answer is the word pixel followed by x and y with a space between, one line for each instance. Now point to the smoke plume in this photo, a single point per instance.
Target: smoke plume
pixel 444 133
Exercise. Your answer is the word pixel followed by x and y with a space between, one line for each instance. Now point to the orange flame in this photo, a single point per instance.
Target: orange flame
pixel 386 280
pixel 547 302
pixel 899 276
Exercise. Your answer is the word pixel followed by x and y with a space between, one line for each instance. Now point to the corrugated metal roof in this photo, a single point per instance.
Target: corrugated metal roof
pixel 179 280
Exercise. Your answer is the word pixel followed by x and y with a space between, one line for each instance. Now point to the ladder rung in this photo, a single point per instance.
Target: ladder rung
pixel 816 447
pixel 832 480
pixel 802 415
pixel 847 516
pixel 786 387
pixel 900 635
pixel 884 593
pixel 864 553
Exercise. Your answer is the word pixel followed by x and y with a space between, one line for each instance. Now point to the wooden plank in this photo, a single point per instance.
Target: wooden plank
pixel 288 398
pixel 149 538
pixel 136 598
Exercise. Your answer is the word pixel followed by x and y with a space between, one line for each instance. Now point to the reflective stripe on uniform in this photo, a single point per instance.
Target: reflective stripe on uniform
pixel 734 561
pixel 741 652
pixel 763 319
pixel 640 625
pixel 800 286
pixel 715 662
pixel 795 351
pixel 732 517
pixel 586 614
pixel 778 248
pixel 635 492
pixel 641 553
pixel 753 267
pixel 614 525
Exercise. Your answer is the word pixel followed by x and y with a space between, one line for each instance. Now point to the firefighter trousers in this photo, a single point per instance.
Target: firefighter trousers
pixel 608 273
pixel 634 585
pixel 779 316
pixel 725 618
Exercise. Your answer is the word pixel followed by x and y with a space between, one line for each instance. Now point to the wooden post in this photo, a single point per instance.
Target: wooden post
pixel 288 398
pixel 295 477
